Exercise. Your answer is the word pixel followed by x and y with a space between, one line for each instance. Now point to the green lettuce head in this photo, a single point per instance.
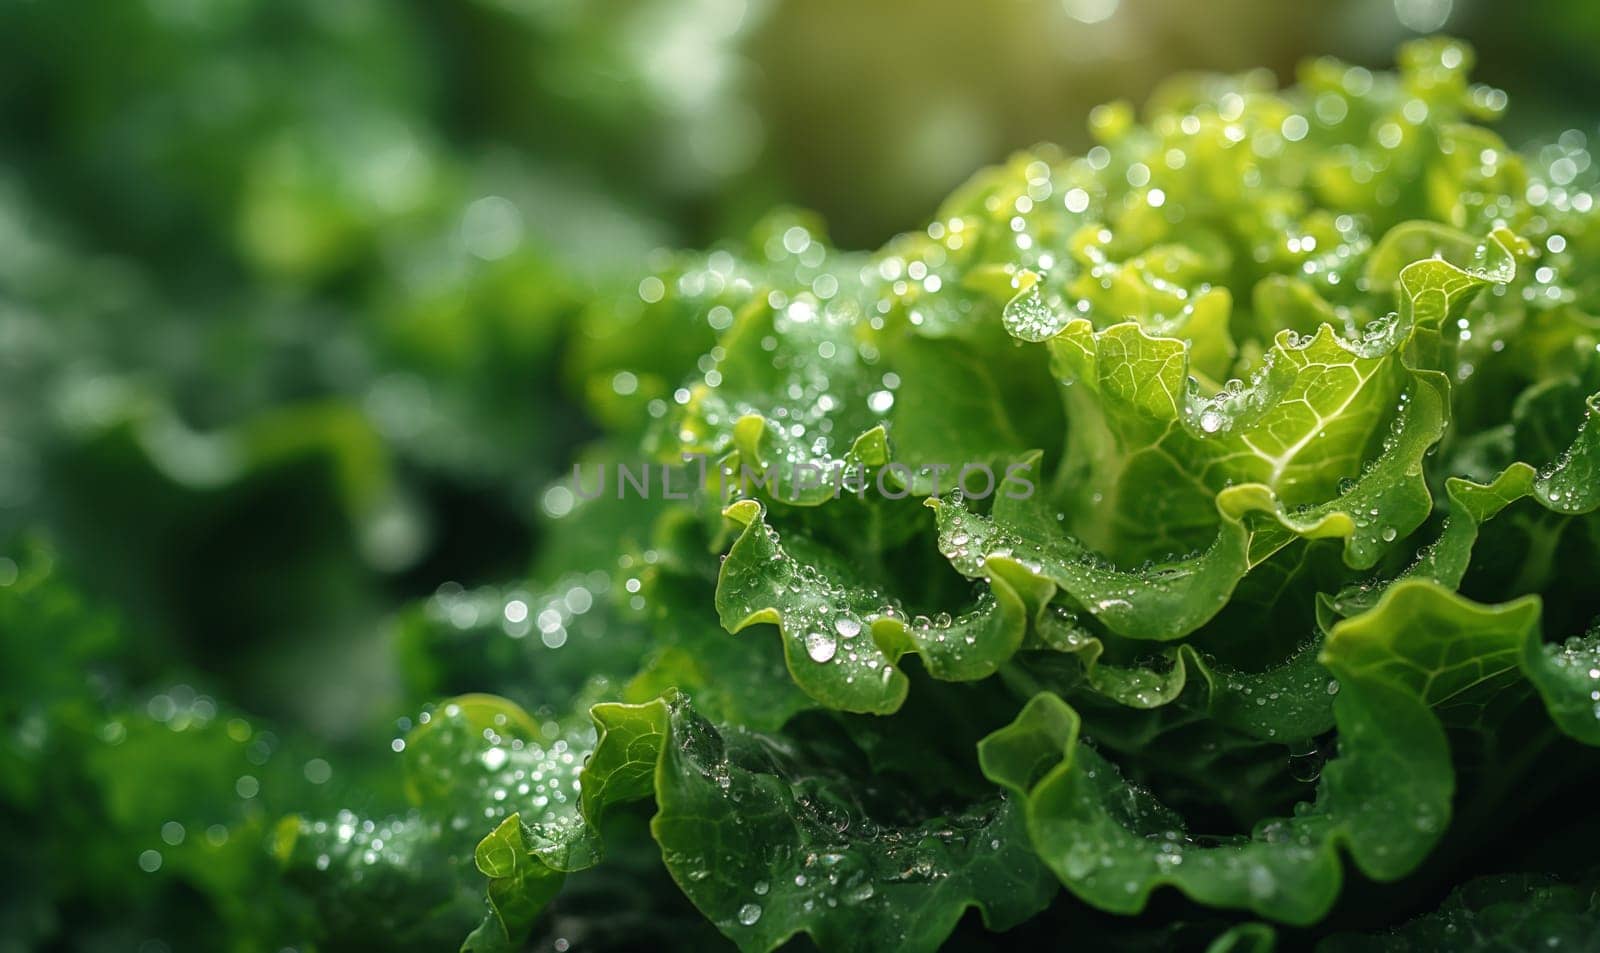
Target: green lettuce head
pixel 1182 531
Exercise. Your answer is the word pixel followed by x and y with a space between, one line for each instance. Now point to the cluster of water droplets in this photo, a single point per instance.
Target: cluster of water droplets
pixel 1578 660
pixel 1217 413
pixel 352 845
pixel 1571 483
pixel 829 619
pixel 832 854
pixel 476 767
pixel 550 616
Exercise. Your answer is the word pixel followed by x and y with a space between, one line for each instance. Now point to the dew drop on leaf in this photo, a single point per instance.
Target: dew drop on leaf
pixel 821 646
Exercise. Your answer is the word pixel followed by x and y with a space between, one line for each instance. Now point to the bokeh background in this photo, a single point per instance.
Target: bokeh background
pixel 288 287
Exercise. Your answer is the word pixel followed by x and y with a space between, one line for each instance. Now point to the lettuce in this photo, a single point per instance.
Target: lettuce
pixel 1202 514
pixel 1190 542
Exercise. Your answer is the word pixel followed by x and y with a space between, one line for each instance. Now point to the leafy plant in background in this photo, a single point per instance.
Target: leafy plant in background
pixel 1293 638
pixel 251 287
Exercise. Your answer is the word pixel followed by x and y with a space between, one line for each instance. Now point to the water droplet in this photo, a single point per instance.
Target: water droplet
pixel 821 646
pixel 1262 884
pixel 749 914
pixel 860 893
